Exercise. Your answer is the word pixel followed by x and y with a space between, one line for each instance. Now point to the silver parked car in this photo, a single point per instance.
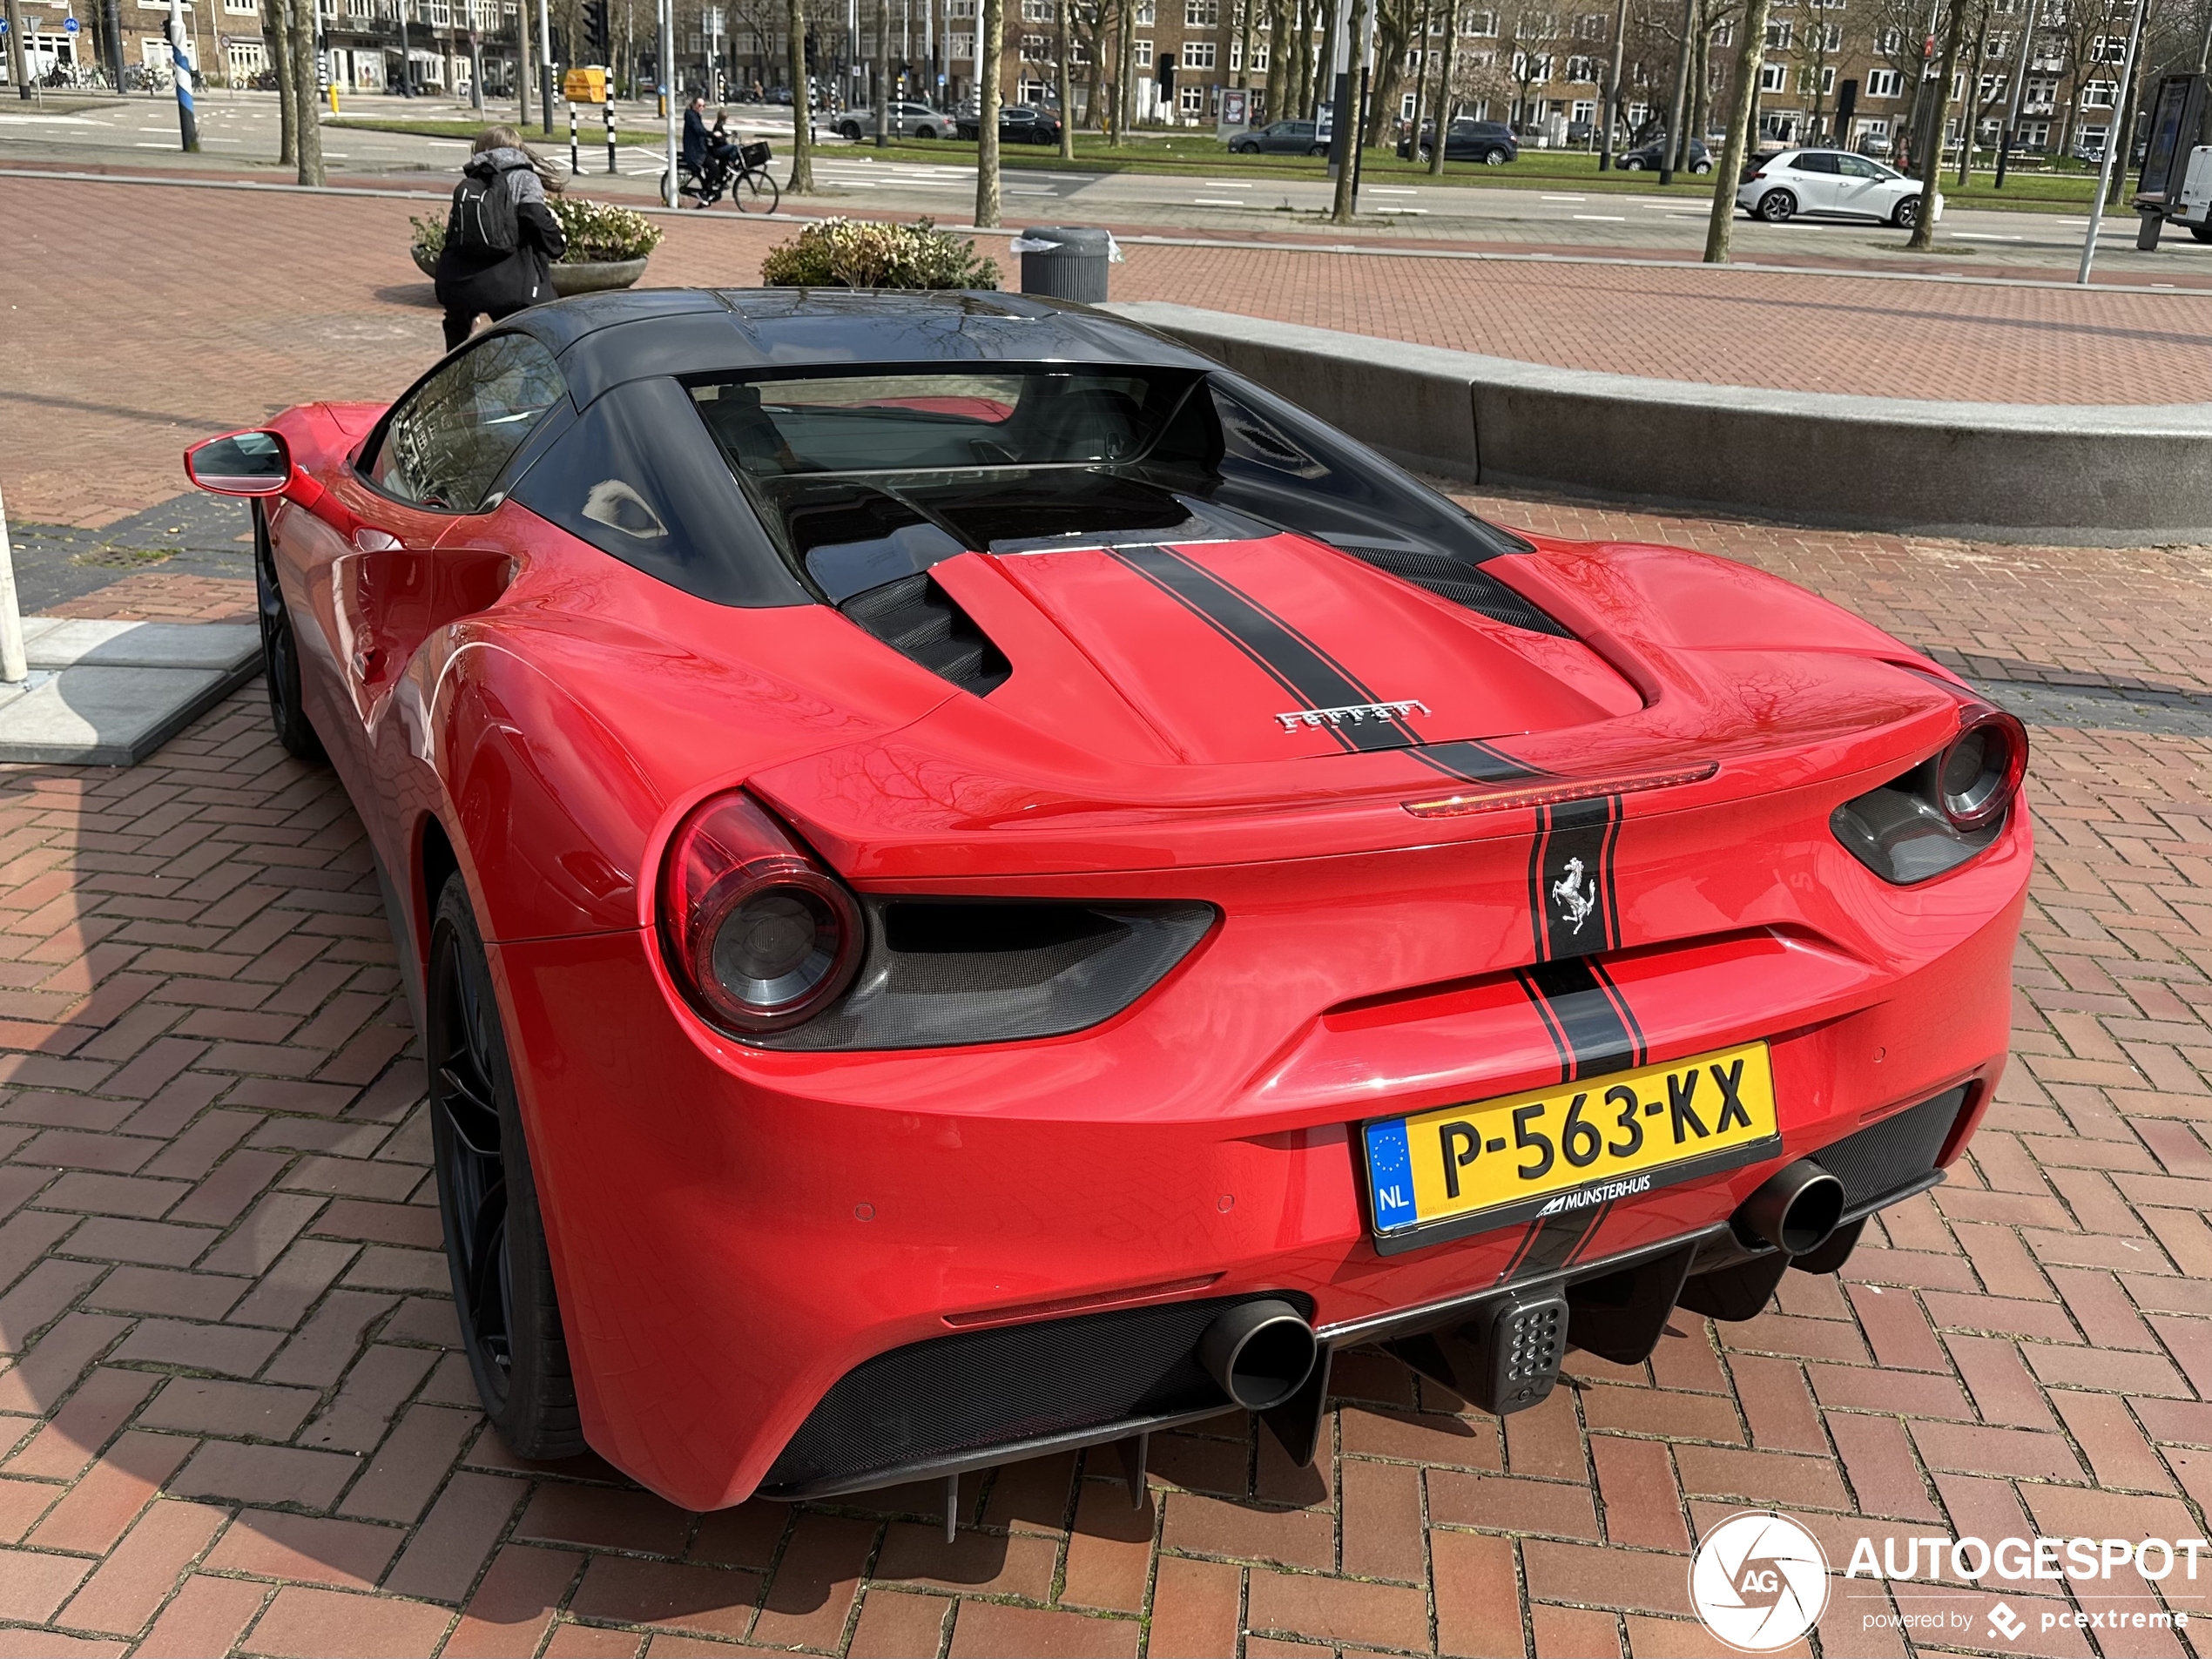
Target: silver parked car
pixel 907 121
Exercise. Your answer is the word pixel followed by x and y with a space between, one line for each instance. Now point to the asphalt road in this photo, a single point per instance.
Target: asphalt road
pixel 238 132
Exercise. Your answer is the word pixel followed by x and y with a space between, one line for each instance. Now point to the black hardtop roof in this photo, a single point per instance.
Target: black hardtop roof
pixel 604 340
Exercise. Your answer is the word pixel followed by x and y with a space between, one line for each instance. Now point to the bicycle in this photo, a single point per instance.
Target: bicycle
pixel 745 182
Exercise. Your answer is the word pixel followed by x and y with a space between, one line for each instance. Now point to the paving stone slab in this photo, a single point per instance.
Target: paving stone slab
pixel 106 693
pixel 71 642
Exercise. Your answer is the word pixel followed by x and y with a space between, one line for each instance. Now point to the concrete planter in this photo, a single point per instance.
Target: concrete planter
pixel 567 278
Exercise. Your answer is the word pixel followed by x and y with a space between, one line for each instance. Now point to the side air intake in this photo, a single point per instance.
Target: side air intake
pixel 1460 582
pixel 918 620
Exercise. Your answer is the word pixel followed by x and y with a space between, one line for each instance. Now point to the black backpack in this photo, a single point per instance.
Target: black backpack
pixel 483 219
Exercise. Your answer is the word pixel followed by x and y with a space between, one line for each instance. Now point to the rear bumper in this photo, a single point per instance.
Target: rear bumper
pixel 737 1233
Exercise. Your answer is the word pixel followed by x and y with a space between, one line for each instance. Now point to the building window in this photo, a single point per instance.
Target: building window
pixel 1585 111
pixel 1531 69
pixel 1198 54
pixel 1482 26
pixel 2040 94
pixel 1037 11
pixel 2096 95
pixel 1259 58
pixel 2108 49
pixel 1824 36
pixel 1200 14
pixel 961 48
pixel 1724 37
pixel 1144 10
pixel 1883 82
pixel 1590 26
pixel 1773 76
pixel 1190 100
pixel 1141 53
pixel 1583 71
pixel 1890 41
pixel 1777 36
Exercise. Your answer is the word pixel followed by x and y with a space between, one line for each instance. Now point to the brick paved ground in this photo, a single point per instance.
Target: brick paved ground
pixel 233 1415
pixel 220 306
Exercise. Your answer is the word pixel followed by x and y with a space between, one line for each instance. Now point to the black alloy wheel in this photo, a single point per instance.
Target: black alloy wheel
pixel 1906 213
pixel 279 651
pixel 1776 206
pixel 502 1278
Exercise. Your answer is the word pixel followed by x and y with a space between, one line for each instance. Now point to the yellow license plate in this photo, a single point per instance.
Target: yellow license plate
pixel 1567 1149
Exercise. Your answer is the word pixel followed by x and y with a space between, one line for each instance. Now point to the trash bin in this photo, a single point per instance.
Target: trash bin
pixel 1065 262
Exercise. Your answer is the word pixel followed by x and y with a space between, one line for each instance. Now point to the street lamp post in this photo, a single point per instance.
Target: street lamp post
pixel 2118 141
pixel 545 64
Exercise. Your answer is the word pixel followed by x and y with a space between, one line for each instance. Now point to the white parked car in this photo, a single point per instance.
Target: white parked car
pixel 1829 182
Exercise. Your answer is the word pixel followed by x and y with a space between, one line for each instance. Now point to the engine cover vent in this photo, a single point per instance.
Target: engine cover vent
pixel 1462 584
pixel 918 620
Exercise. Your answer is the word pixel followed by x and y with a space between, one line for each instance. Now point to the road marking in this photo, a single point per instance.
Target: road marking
pixel 1391 189
pixel 1225 184
pixel 1563 199
pixel 1983 236
pixel 1602 219
pixel 1401 210
pixel 1216 201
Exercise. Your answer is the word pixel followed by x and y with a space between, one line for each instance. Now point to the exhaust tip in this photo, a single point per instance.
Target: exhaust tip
pixel 1795 1210
pixel 1260 1352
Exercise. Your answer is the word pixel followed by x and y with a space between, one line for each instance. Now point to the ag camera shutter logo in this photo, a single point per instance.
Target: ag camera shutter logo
pixel 1759 1581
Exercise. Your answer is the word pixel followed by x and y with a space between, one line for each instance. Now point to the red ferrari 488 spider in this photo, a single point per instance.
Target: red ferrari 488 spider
pixel 975 883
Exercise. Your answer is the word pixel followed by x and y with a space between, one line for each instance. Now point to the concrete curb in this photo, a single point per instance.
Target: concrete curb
pixel 2089 475
pixel 110 693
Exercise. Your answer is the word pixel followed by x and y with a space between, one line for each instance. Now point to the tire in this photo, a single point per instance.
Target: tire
pixel 2202 233
pixel 755 193
pixel 928 133
pixel 1244 149
pixel 1703 167
pixel 1906 213
pixel 279 652
pixel 502 1279
pixel 1494 157
pixel 1777 206
pixel 1632 164
pixel 850 132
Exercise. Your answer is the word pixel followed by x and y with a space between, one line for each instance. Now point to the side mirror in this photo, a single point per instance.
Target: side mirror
pixel 245 463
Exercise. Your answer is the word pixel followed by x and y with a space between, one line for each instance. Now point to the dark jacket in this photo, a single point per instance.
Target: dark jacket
pixel 498 283
pixel 696 140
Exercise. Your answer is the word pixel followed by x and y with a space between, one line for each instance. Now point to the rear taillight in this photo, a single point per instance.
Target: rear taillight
pixel 1978 775
pixel 759 935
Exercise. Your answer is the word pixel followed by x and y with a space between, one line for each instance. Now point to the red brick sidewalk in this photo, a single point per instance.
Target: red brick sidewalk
pixel 218 306
pixel 233 1419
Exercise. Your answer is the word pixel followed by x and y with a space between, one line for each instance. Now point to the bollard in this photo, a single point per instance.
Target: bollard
pixel 13 669
pixel 180 70
pixel 608 110
pixel 576 165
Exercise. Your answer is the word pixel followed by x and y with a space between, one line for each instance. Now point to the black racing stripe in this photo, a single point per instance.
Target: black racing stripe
pixel 1590 1235
pixel 1574 908
pixel 1471 761
pixel 1558 1239
pixel 1521 1250
pixel 1293 661
pixel 1620 999
pixel 1581 1007
pixel 1157 570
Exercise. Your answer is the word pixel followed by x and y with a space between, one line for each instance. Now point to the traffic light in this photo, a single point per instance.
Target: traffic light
pixel 1167 73
pixel 597 36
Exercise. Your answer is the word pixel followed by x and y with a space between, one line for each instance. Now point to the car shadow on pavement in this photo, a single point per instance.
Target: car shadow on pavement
pixel 423 295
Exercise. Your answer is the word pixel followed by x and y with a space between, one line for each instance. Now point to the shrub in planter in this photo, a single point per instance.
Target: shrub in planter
pixel 598 233
pixel 864 253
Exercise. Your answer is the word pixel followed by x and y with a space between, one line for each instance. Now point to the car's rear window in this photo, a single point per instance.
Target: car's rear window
pixel 905 420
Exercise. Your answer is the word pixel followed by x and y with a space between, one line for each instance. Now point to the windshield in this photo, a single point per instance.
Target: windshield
pixel 926 420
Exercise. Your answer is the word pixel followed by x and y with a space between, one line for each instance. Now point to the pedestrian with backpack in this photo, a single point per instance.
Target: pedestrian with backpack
pixel 501 236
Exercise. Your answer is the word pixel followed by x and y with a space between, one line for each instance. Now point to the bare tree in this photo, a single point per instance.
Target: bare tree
pixel 1750 52
pixel 802 114
pixel 302 18
pixel 278 26
pixel 1923 235
pixel 1066 83
pixel 1347 121
pixel 990 32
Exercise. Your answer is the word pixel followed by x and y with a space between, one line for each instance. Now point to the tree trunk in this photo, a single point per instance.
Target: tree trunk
pixel 279 33
pixel 802 124
pixel 19 51
pixel 1971 121
pixel 1444 86
pixel 1741 97
pixel 1125 68
pixel 2122 141
pixel 1421 81
pixel 303 89
pixel 1701 87
pixel 523 68
pixel 1678 108
pixel 1923 235
pixel 1347 122
pixel 1066 89
pixel 1245 8
pixel 990 37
